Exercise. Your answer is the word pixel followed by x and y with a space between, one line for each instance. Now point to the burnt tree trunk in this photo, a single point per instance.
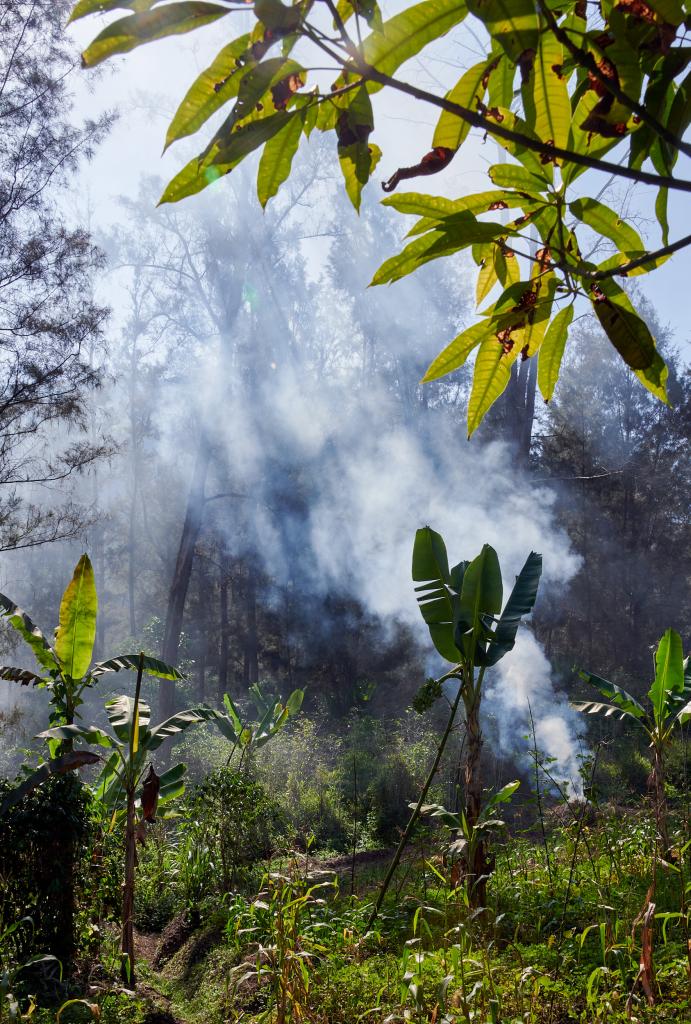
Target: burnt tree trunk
pixel 224 630
pixel 182 572
pixel 250 668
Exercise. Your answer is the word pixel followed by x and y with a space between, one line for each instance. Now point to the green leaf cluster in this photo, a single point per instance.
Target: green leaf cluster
pixel 561 86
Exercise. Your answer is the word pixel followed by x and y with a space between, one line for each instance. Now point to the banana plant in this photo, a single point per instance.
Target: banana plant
pixel 464 836
pixel 248 736
pixel 64 667
pixel 462 607
pixel 669 699
pixel 131 741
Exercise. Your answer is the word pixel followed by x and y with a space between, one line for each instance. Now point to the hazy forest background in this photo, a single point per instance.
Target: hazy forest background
pixel 218 390
pixel 207 399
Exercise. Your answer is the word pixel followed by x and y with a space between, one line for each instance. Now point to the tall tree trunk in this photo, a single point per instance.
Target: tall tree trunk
pixel 134 468
pixel 250 671
pixel 224 630
pixel 526 438
pixel 183 571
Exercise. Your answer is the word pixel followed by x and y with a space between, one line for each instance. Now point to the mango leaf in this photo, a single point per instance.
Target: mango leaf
pixel 130 663
pixel 204 170
pixel 520 603
pixel 469 91
pixel 500 85
pixel 368 9
pixel 510 176
pixel 551 352
pixel 527 157
pixel 620 259
pixel 76 632
pixel 128 33
pixel 56 766
pixel 438 208
pixel 435 598
pixel 211 89
pixel 457 351
pixel 84 7
pixel 404 35
pixel 606 222
pixel 669 674
pixel 278 16
pixel 456 233
pixel 661 203
pixel 546 97
pixel 488 276
pixel 630 336
pixel 29 632
pixel 277 159
pixel 490 377
pixel 512 24
pixel 249 136
pixel 620 697
pixel 583 141
pixel 543 287
pixel 357 163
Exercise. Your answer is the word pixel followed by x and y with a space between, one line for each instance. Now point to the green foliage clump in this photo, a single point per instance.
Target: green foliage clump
pixel 44 845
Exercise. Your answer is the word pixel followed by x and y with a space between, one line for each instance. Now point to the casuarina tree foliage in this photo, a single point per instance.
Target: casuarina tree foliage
pixel 50 325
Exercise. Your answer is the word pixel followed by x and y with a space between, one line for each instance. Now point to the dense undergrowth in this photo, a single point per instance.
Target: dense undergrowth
pixel 254 920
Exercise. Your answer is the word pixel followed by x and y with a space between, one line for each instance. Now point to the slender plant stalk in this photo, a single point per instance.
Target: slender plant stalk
pixel 538 796
pixel 421 799
pixel 127 943
pixel 355 824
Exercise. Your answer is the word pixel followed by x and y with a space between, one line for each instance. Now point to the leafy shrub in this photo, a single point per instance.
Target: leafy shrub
pixel 230 824
pixel 44 841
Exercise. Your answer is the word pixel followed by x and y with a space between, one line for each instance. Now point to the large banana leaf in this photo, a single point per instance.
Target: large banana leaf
pixel 21 675
pixel 121 714
pixel 669 675
pixel 88 733
pixel 76 633
pixel 596 707
pixel 29 632
pixel 520 603
pixel 56 766
pixel 437 598
pixel 153 738
pixel 620 698
pixel 252 734
pixel 130 663
pixel 481 597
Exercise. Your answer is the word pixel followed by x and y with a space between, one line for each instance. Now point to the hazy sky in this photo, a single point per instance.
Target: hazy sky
pixel 146 86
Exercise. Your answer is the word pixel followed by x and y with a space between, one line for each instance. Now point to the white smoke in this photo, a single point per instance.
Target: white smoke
pixel 521 683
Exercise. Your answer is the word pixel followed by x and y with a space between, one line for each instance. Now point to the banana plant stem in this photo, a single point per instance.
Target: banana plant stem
pixel 418 807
